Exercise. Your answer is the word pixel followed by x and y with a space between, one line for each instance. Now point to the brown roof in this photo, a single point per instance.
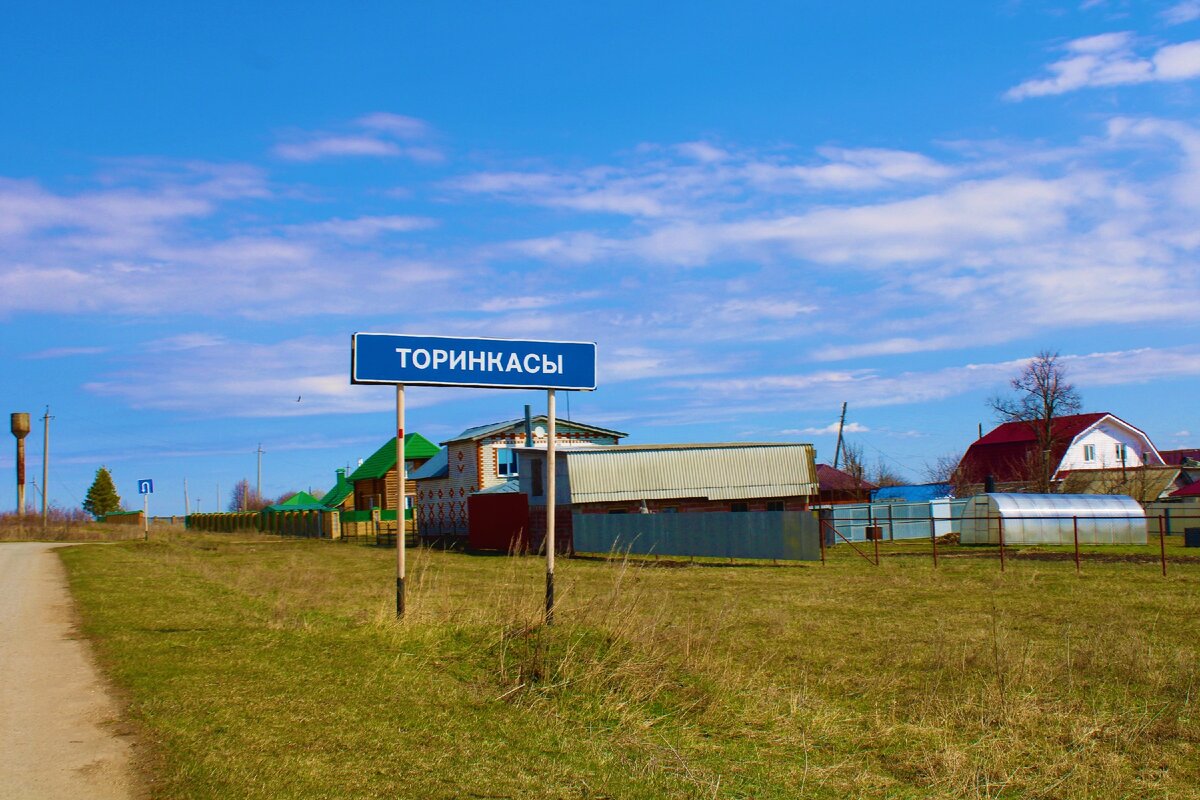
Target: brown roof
pixel 1145 484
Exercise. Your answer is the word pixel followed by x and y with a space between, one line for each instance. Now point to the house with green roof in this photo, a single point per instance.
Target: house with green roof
pixel 300 501
pixel 373 484
pixel 341 496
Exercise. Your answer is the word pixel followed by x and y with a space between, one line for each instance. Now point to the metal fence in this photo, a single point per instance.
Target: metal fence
pixel 776 535
pixel 898 520
pixel 1070 531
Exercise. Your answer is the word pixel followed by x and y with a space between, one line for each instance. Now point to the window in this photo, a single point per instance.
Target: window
pixel 1121 453
pixel 506 462
pixel 1089 452
pixel 668 510
pixel 774 505
pixel 739 507
pixel 618 511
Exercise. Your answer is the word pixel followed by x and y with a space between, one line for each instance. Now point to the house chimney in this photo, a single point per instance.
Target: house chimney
pixel 528 425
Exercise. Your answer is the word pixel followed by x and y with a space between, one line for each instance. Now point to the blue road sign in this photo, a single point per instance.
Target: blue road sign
pixel 456 361
pixel 145 486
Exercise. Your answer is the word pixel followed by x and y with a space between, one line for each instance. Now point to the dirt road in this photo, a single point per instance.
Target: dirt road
pixel 57 736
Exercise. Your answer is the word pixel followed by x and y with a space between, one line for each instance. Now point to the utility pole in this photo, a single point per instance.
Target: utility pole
pixel 258 486
pixel 45 462
pixel 187 508
pixel 837 453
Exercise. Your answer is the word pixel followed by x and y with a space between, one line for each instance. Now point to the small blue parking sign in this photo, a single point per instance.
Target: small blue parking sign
pixel 145 486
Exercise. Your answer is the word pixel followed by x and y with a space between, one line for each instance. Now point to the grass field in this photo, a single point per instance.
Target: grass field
pixel 260 668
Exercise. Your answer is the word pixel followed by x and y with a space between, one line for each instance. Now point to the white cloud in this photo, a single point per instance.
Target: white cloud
pixel 361 228
pixel 380 135
pixel 853 169
pixel 829 430
pixel 1187 11
pixel 227 378
pixel 1110 60
pixel 66 352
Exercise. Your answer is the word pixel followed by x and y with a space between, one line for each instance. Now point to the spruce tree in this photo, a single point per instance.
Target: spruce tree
pixel 102 497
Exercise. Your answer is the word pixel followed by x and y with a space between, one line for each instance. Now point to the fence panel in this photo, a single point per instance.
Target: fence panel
pixel 898 520
pixel 781 535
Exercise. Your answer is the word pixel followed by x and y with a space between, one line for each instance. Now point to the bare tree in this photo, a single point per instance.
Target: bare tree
pixel 245 498
pixel 853 462
pixel 944 469
pixel 1041 393
pixel 885 475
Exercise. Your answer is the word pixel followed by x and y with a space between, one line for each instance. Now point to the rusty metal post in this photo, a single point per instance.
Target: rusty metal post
pixel 1075 525
pixel 1162 544
pixel 1001 520
pixel 821 537
pixel 933 538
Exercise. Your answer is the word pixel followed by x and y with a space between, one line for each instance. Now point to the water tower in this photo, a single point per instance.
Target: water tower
pixel 20 429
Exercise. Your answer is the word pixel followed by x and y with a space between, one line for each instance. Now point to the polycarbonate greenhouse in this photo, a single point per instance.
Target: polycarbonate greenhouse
pixel 1052 519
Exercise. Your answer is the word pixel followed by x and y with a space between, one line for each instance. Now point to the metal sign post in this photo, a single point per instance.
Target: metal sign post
pixel 145 489
pixel 419 360
pixel 401 479
pixel 551 499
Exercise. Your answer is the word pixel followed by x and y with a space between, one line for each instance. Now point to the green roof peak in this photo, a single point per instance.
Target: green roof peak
pixel 384 459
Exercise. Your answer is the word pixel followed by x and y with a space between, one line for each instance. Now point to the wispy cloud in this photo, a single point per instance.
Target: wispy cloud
pixel 1110 59
pixel 873 387
pixel 830 429
pixel 230 378
pixel 1187 11
pixel 379 135
pixel 694 179
pixel 362 228
pixel 66 352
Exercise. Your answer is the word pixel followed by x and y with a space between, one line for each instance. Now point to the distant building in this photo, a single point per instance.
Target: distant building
pixel 912 493
pixel 374 482
pixel 837 486
pixel 1009 453
pixel 1179 458
pixel 665 479
pixel 483 457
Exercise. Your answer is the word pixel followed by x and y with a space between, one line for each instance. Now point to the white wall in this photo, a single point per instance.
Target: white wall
pixel 1105 437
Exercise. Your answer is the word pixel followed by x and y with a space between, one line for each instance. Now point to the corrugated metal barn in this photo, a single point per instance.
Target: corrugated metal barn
pixel 671 478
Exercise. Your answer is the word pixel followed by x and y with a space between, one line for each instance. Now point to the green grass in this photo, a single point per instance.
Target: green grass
pixel 256 668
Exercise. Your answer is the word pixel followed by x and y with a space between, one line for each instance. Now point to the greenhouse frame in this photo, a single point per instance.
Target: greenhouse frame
pixel 1052 519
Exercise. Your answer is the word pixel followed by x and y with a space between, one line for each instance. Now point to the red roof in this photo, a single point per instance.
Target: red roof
pixel 834 480
pixel 1175 458
pixel 1007 451
pixel 1191 490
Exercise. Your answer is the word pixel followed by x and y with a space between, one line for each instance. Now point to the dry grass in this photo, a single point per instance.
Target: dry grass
pixel 62 526
pixel 261 668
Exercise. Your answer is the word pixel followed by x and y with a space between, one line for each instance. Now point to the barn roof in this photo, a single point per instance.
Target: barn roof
pixel 1191 490
pixel 1145 484
pixel 1005 451
pixel 1176 458
pixel 835 480
pixel 723 471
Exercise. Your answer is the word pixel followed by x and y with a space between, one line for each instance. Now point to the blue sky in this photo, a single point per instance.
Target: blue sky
pixel 757 210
